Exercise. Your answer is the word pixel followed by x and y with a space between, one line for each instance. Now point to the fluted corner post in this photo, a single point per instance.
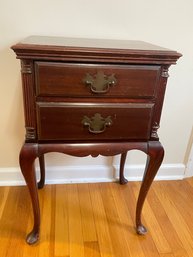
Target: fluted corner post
pixel 28 154
pixel 155 156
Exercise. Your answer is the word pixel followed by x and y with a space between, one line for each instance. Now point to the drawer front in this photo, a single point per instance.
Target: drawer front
pixel 75 121
pixel 86 80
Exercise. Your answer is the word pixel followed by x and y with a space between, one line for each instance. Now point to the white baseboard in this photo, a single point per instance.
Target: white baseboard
pixel 166 172
pixel 90 174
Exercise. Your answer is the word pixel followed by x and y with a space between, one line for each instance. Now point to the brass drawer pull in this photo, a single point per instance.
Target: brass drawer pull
pixel 97 124
pixel 100 83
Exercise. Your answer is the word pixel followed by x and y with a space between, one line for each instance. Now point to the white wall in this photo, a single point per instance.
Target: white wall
pixel 166 23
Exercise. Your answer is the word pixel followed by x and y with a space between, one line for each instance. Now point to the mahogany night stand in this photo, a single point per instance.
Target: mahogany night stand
pixel 89 97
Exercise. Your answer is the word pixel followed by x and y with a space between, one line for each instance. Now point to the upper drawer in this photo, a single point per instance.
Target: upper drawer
pixel 86 80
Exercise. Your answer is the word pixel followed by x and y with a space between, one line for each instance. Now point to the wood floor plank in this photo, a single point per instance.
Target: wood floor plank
pixel 68 212
pixel 61 222
pixel 75 223
pixel 153 226
pixel 126 223
pixel 182 200
pixel 30 250
pixel 167 255
pixel 53 215
pixel 103 234
pixel 148 246
pixel 176 219
pixel 167 227
pixel 117 236
pixel 4 191
pixel 13 223
pixel 190 181
pixel 91 249
pixel 87 217
pixel 45 206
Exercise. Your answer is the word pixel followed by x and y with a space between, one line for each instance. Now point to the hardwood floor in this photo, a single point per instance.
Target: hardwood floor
pixel 97 220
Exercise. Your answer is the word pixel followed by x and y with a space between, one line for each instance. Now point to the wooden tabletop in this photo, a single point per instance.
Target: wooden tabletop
pixel 106 49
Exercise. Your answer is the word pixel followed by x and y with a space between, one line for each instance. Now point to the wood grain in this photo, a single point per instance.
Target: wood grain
pixel 61 224
pixel 154 227
pixel 57 48
pixel 87 215
pixel 69 80
pixel 75 223
pixel 146 242
pixel 176 218
pixel 101 222
pixel 162 217
pixel 96 220
pixel 132 239
pixel 45 205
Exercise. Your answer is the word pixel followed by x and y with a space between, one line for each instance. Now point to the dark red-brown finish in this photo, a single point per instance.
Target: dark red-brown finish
pixel 70 107
pixel 155 154
pixel 28 155
pixel 59 79
pixel 42 172
pixel 62 121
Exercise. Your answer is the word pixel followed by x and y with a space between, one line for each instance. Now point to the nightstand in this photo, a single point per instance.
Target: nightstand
pixel 89 97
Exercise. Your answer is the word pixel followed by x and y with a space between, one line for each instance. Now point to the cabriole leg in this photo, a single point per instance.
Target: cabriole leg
pixel 27 157
pixel 42 172
pixel 122 179
pixel 155 156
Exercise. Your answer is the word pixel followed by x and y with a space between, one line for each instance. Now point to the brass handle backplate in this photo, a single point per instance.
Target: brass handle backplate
pixel 97 124
pixel 99 83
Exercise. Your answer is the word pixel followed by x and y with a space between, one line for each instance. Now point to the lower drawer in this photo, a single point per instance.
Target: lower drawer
pixel 75 121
